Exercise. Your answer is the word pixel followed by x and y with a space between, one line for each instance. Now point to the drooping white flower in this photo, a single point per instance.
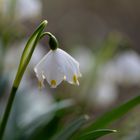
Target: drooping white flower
pixel 56 66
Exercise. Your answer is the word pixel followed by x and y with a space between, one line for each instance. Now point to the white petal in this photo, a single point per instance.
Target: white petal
pixel 40 77
pixel 51 69
pixel 39 69
pixel 56 66
pixel 72 62
pixel 70 67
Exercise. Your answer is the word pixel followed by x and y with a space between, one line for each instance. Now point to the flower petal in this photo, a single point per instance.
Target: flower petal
pixel 57 65
pixel 70 67
pixel 51 69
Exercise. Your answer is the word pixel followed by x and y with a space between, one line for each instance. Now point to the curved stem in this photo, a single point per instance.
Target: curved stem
pixel 53 42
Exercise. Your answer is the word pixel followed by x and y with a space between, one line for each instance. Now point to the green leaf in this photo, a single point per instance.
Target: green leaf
pixel 114 114
pixel 93 135
pixel 28 51
pixel 25 58
pixel 69 130
pixel 41 125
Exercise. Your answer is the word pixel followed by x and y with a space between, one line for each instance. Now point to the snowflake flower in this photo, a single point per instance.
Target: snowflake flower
pixel 56 66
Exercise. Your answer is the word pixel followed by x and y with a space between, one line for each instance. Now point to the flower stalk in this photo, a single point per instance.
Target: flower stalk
pixel 53 42
pixel 25 59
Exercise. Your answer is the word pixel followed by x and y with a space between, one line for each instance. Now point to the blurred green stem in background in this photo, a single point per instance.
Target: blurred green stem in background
pixel 25 58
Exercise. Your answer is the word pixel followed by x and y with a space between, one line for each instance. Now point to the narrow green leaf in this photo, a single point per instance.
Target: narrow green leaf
pixel 69 130
pixel 114 114
pixel 93 135
pixel 25 58
pixel 28 51
pixel 43 127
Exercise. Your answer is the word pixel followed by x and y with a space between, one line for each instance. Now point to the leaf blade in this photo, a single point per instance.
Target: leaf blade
pixel 114 114
pixel 71 128
pixel 28 51
pixel 93 135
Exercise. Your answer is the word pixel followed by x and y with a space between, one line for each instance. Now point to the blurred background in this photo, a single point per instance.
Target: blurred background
pixel 103 35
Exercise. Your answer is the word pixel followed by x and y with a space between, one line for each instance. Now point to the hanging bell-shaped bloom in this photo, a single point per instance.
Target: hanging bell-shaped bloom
pixel 56 66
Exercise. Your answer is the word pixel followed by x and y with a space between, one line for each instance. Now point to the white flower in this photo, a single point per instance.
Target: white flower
pixel 56 66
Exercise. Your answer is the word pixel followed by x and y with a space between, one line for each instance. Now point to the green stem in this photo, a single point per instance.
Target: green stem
pixel 7 111
pixel 25 59
pixel 53 42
